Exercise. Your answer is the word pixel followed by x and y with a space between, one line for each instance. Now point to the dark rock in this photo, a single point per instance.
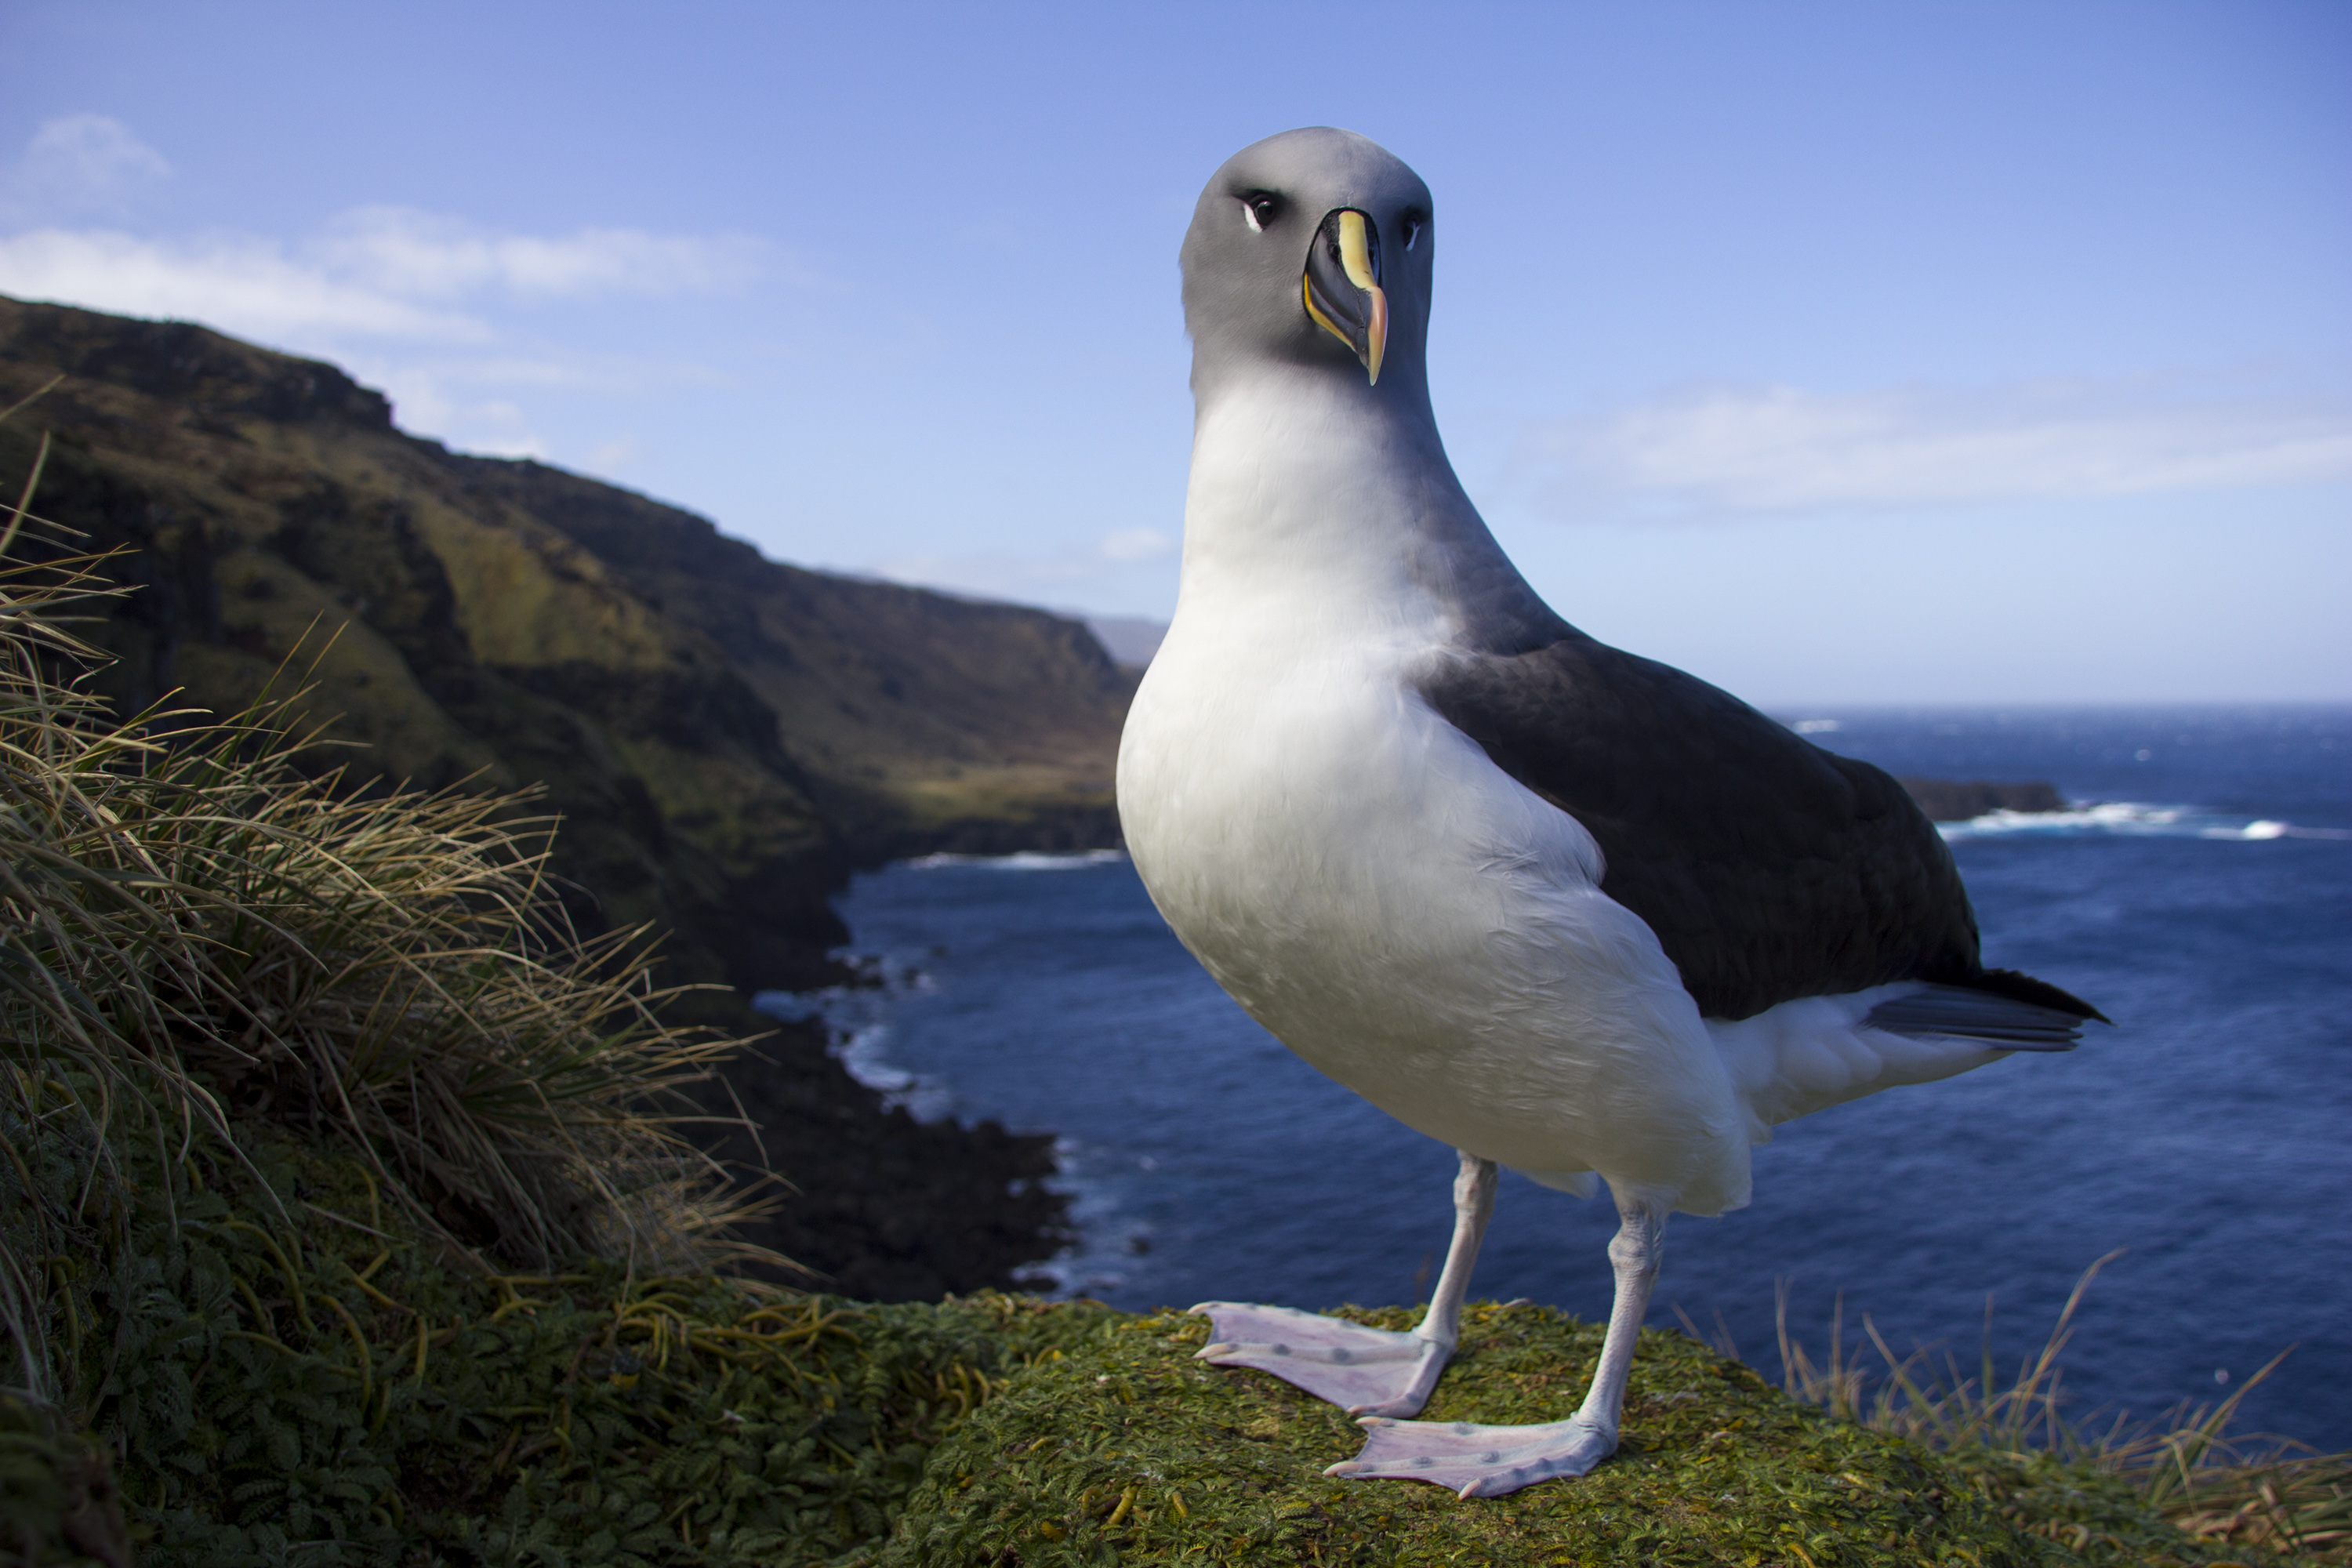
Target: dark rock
pixel 1953 800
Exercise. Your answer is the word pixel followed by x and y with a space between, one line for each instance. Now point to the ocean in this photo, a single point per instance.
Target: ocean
pixel 2201 893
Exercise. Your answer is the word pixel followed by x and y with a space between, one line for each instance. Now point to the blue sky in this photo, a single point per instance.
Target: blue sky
pixel 1932 352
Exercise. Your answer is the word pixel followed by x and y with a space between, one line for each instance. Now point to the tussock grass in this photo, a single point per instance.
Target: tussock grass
pixel 200 925
pixel 2253 1490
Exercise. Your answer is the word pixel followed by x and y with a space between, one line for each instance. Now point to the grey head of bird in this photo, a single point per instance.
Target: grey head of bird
pixel 1311 249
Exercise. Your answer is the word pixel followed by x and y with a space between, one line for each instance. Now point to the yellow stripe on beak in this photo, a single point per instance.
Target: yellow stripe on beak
pixel 1341 286
pixel 1355 257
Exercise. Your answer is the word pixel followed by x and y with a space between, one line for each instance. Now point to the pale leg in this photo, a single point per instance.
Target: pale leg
pixel 1487 1461
pixel 1369 1372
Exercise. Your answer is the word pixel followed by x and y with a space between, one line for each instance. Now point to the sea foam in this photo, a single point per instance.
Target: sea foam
pixel 2134 818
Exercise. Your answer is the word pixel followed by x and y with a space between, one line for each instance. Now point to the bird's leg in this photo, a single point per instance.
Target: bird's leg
pixel 1441 1326
pixel 1374 1372
pixel 1487 1461
pixel 1635 1254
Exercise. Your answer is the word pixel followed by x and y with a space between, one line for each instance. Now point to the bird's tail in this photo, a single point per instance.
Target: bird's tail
pixel 2000 1019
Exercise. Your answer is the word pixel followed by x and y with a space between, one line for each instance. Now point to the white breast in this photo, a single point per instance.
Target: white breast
pixel 1364 880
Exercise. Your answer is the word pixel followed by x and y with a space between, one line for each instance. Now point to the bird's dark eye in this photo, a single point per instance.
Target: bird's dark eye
pixel 1258 209
pixel 1414 223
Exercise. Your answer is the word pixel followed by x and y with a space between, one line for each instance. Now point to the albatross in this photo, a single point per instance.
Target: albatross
pixel 1569 910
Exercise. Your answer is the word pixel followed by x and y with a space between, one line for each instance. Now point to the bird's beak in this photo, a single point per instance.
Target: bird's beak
pixel 1342 285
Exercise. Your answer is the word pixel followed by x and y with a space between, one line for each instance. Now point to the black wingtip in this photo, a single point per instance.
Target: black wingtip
pixel 2018 987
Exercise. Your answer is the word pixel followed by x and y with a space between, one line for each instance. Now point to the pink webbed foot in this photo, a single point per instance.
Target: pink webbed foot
pixel 1364 1371
pixel 1476 1461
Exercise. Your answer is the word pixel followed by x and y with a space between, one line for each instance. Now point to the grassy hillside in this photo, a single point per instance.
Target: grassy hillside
pixel 723 737
pixel 927 721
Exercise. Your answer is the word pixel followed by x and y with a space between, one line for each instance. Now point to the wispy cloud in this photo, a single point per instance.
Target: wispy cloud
pixel 608 457
pixel 382 273
pixel 1029 576
pixel 421 255
pixel 431 307
pixel 470 399
pixel 79 165
pixel 237 282
pixel 374 273
pixel 1744 449
pixel 1125 544
pixel 452 409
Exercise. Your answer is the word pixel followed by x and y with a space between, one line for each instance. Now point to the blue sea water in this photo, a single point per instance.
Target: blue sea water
pixel 2206 906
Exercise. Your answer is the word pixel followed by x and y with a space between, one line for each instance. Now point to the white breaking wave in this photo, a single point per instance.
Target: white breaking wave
pixel 1109 1241
pixel 862 1052
pixel 859 1033
pixel 2132 818
pixel 1027 860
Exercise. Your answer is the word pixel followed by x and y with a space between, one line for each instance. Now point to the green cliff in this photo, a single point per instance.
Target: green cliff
pixel 726 738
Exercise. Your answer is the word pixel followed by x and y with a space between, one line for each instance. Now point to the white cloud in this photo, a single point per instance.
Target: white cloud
pixel 495 429
pixel 1009 574
pixel 422 255
pixel 385 274
pixel 619 374
pixel 610 456
pixel 469 399
pixel 236 282
pixel 374 272
pixel 82 164
pixel 433 402
pixel 1719 449
pixel 1125 544
pixel 423 305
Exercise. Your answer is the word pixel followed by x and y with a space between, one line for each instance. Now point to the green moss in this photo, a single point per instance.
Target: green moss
pixel 381 718
pixel 1125 1450
pixel 287 1372
pixel 526 595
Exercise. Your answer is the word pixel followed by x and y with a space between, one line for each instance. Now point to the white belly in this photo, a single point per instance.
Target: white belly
pixel 1416 925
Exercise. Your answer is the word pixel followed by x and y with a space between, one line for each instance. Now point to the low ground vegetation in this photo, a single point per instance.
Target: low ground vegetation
pixel 1125 1450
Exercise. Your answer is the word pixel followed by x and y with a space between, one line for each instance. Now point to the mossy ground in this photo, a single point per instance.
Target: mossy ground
pixel 1122 1448
pixel 288 1376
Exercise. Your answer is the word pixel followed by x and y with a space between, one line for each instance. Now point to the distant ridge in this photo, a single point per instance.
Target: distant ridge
pixel 1130 639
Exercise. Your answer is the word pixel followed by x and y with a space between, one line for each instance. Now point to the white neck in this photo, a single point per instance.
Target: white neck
pixel 1317 500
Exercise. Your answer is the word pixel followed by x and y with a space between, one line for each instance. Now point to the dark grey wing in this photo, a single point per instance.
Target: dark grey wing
pixel 1768 867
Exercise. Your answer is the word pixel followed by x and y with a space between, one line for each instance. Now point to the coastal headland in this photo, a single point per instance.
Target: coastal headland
pixel 725 738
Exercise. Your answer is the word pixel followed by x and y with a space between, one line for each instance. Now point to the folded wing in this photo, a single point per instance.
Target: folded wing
pixel 1770 869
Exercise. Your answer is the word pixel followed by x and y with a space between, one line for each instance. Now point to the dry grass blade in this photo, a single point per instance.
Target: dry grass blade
pixel 25 501
pixel 2252 1490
